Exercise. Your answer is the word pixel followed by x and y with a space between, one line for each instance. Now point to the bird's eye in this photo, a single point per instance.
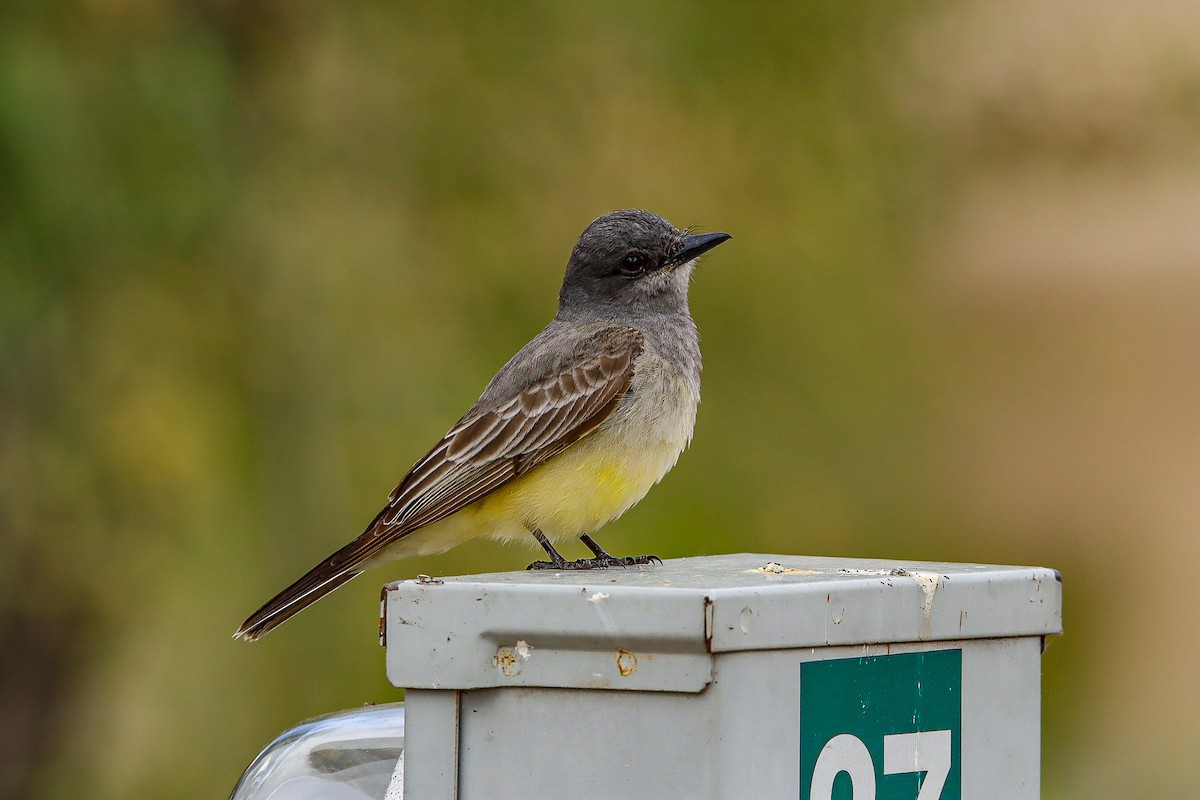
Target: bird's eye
pixel 633 264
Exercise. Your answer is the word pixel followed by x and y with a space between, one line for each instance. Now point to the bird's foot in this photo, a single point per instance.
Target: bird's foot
pixel 602 560
pixel 599 562
pixel 556 564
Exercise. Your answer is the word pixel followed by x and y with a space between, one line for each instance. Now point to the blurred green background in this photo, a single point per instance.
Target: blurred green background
pixel 256 256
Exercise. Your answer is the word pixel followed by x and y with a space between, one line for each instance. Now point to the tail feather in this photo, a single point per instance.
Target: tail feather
pixel 337 569
pixel 320 581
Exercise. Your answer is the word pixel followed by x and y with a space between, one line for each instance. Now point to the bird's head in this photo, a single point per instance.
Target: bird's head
pixel 632 259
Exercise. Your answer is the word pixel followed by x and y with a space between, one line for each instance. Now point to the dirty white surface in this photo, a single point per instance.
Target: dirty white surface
pixel 683 680
pixel 478 631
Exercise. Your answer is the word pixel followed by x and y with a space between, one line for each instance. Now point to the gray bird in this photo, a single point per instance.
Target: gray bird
pixel 569 434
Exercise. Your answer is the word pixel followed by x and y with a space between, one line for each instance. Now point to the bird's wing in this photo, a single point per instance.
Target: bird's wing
pixel 490 446
pixel 496 441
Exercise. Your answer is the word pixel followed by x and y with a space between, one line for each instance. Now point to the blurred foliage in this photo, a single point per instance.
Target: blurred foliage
pixel 255 257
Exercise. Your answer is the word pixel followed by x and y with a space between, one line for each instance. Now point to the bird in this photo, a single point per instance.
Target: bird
pixel 573 431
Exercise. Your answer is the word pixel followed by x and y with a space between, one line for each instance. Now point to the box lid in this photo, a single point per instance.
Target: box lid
pixel 657 628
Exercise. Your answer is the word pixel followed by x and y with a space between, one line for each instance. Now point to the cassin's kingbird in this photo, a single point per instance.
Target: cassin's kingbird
pixel 570 433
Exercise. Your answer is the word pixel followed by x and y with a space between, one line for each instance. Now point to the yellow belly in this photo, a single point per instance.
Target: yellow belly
pixel 578 491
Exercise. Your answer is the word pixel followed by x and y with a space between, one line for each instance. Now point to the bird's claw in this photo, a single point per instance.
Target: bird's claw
pixel 599 562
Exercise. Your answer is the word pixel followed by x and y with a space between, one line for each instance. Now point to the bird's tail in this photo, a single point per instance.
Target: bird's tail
pixel 320 581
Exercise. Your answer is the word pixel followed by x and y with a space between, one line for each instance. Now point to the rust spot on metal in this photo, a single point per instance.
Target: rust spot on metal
pixel 508 662
pixel 508 659
pixel 626 663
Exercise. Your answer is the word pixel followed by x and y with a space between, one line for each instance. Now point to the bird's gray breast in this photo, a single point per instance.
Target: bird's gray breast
pixel 660 407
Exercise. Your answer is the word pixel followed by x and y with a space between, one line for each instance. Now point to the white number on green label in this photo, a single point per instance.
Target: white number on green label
pixel 924 751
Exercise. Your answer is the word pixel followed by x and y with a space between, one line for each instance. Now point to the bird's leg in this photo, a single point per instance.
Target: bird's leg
pixel 556 561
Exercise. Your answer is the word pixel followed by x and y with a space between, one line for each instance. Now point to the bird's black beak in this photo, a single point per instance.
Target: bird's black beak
pixel 696 245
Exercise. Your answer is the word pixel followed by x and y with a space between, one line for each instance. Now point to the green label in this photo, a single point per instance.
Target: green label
pixel 882 727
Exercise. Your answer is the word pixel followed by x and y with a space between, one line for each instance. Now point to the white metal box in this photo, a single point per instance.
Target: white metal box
pixel 725 678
